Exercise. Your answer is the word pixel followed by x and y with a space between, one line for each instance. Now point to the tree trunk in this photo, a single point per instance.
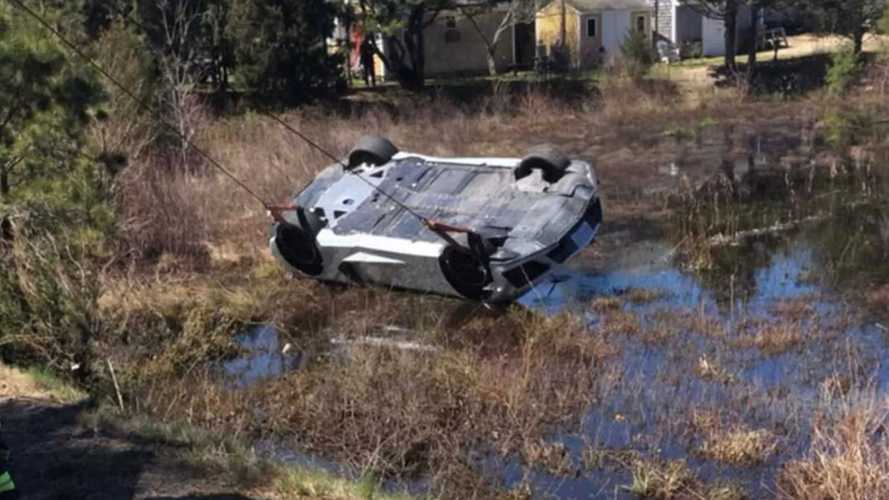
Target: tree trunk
pixel 731 34
pixel 492 61
pixel 419 47
pixel 4 184
pixel 754 42
pixel 407 57
pixel 858 40
pixel 491 44
pixel 6 232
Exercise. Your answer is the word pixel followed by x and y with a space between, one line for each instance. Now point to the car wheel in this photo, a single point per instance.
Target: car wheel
pixel 465 272
pixel 548 159
pixel 298 248
pixel 372 150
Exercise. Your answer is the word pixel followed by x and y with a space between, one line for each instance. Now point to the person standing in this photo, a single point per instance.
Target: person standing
pixel 367 61
pixel 7 485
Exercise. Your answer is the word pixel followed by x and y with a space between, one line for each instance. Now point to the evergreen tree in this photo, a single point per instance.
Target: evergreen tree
pixel 54 206
pixel 281 49
pixel 45 103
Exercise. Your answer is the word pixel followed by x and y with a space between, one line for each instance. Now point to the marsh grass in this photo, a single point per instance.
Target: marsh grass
pixel 505 379
pixel 437 405
pixel 551 457
pixel 662 479
pixel 711 369
pixel 645 295
pixel 775 338
pixel 740 447
pixel 849 456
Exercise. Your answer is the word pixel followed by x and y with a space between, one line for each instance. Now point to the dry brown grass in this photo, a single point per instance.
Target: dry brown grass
pixel 849 456
pixel 401 412
pixel 774 338
pixel 712 369
pixel 878 298
pixel 662 479
pixel 793 310
pixel 505 381
pixel 740 446
pixel 644 295
pixel 551 457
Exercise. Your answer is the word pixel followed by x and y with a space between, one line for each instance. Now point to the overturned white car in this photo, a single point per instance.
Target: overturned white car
pixel 485 229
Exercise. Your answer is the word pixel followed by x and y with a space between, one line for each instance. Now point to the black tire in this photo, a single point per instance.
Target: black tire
pixel 548 159
pixel 373 150
pixel 298 248
pixel 465 272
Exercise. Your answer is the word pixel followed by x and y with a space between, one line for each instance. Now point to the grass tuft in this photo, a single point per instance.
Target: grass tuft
pixel 740 447
pixel 659 479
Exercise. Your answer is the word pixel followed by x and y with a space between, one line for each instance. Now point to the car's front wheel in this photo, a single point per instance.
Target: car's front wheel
pixel 372 150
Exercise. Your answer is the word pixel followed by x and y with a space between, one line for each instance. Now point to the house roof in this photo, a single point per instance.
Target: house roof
pixel 600 5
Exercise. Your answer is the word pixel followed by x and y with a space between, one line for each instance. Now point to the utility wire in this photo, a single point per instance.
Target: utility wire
pixel 134 97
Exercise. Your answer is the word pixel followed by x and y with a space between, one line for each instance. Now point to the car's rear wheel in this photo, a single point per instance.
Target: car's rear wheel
pixel 465 272
pixel 548 159
pixel 372 150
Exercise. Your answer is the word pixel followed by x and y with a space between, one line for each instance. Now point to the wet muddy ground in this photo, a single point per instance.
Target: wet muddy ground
pixel 745 282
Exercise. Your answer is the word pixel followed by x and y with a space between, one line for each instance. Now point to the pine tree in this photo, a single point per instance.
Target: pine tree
pixel 281 48
pixel 45 103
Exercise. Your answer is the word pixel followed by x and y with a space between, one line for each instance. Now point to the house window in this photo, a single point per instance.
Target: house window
pixel 640 24
pixel 592 30
pixel 452 35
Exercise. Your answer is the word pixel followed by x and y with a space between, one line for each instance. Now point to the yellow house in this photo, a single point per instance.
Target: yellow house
pixel 594 30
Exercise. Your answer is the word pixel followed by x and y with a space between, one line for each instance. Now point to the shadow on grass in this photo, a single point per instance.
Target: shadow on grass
pixel 788 77
pixel 203 497
pixel 53 456
pixel 469 94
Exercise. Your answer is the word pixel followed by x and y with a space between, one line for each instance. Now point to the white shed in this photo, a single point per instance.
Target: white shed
pixel 592 30
pixel 683 24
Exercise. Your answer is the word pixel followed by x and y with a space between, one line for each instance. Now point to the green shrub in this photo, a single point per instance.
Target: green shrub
pixel 843 128
pixel 637 53
pixel 845 70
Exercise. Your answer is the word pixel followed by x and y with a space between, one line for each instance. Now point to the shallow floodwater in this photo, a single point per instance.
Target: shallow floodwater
pixel 807 244
pixel 263 357
pixel 656 386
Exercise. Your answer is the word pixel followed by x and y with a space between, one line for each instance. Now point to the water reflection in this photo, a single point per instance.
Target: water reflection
pixel 263 357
